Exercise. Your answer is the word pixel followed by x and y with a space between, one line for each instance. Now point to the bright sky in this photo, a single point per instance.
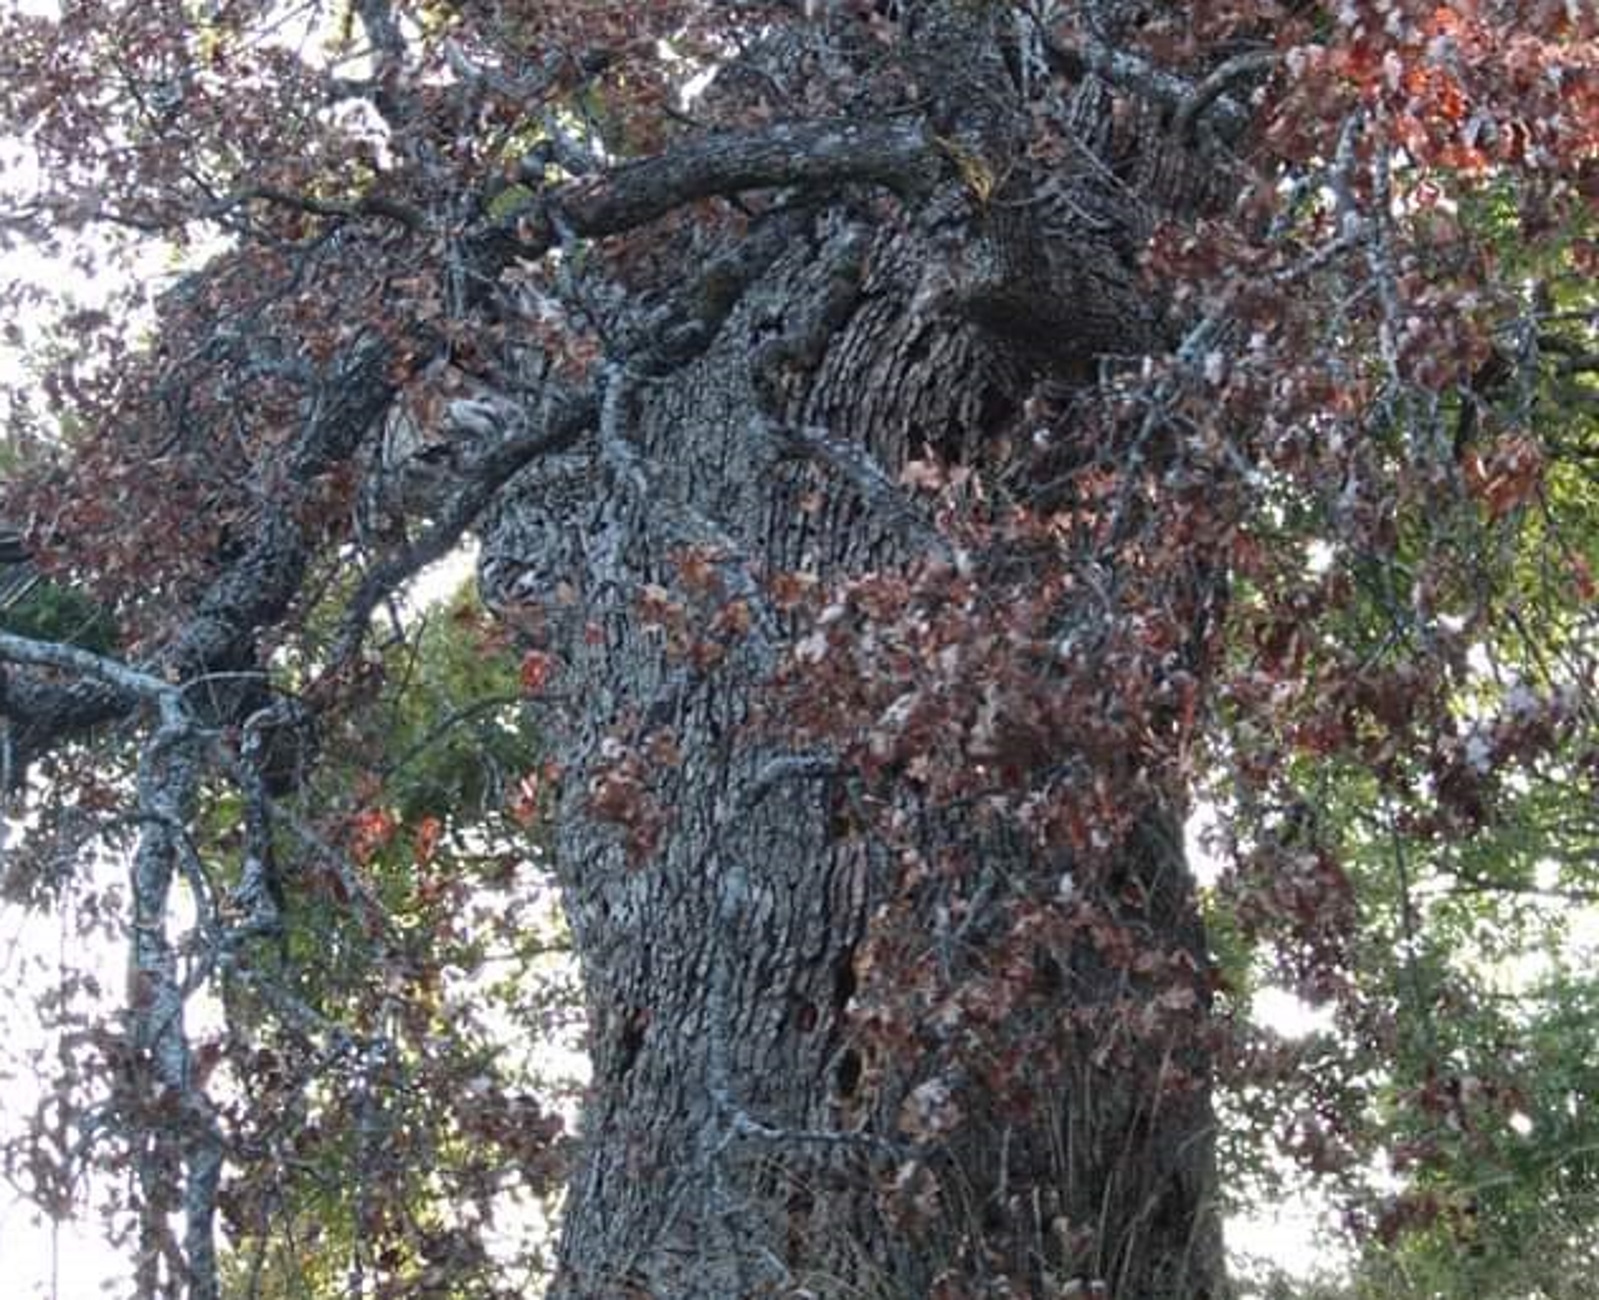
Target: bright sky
pixel 55 1262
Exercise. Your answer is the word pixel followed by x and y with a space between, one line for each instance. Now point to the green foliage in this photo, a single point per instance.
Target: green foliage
pixel 52 611
pixel 509 201
pixel 1445 762
pixel 413 1087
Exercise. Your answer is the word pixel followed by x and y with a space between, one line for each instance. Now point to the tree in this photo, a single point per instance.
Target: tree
pixel 916 448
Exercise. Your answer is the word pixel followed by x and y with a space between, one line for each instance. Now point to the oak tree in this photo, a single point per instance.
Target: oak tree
pixel 914 451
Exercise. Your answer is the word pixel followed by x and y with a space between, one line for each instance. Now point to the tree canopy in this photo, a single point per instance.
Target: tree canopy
pixel 1237 458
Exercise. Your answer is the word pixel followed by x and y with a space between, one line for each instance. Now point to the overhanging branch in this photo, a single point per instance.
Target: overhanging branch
pixel 899 155
pixel 482 480
pixel 84 663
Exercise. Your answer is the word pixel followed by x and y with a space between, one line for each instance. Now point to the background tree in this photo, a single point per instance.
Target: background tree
pixel 914 449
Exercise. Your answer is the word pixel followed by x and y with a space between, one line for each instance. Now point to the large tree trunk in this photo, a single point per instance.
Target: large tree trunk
pixel 745 1133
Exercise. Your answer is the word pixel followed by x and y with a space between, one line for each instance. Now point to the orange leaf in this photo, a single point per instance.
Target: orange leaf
pixel 1509 477
pixel 536 670
pixel 370 830
pixel 428 834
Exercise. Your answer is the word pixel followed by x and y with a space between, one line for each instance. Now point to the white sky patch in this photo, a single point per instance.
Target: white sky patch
pixel 694 75
pixel 44 1259
pixel 56 1261
pixel 1292 1017
pixel 440 580
pixel 1200 831
pixel 1296 1234
pixel 1291 1233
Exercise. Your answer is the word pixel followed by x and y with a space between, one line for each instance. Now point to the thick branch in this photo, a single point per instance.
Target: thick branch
pixel 1217 83
pixel 252 592
pixel 43 711
pixel 1190 104
pixel 371 205
pixel 169 776
pixel 483 479
pixel 257 588
pixel 896 154
pixel 382 29
pixel 83 663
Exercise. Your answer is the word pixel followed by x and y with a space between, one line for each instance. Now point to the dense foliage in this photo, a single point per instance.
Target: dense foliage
pixel 1310 551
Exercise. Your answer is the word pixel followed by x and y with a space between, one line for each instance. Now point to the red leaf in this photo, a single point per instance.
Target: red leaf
pixel 537 667
pixel 428 834
pixel 370 830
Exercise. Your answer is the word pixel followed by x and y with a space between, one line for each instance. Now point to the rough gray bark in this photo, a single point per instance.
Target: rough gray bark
pixel 736 1141
pixel 914 274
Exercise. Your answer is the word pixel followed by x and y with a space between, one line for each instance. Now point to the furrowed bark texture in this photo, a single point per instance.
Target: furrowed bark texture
pixel 738 1139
